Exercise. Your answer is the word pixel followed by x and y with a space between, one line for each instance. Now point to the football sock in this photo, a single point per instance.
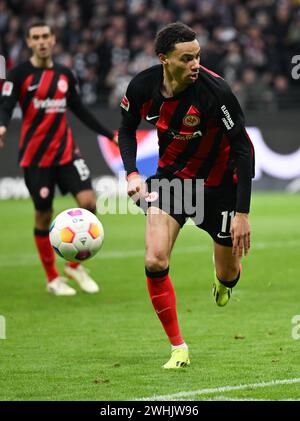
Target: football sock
pixel 46 253
pixel 163 298
pixel 73 265
pixel 231 284
pixel 182 346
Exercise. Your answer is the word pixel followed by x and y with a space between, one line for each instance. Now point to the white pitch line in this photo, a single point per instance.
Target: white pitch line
pixel 225 398
pixel 7 260
pixel 219 390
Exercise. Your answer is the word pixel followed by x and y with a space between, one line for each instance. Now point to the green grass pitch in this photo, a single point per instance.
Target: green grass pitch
pixel 110 346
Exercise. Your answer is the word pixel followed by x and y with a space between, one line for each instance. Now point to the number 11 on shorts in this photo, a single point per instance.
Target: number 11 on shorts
pixel 225 220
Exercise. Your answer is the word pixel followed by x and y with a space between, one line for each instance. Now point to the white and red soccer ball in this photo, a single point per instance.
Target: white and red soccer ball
pixel 76 234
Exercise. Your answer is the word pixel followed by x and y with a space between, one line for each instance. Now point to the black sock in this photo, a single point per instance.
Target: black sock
pixel 230 284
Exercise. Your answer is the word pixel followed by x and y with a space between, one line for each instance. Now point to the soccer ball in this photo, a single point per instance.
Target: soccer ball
pixel 76 234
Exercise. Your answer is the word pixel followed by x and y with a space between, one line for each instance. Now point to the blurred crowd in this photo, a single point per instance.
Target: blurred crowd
pixel 250 43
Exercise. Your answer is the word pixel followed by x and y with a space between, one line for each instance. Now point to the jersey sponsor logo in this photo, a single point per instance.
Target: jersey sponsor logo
pixel 220 235
pixel 125 103
pixel 228 122
pixel 32 87
pixel 7 88
pixel 191 120
pixel 50 105
pixel 62 86
pixel 190 136
pixel 148 118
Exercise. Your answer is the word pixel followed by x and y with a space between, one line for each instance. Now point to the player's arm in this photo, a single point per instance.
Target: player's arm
pixel 128 143
pixel 233 122
pixel 8 100
pixel 82 112
pixel 240 229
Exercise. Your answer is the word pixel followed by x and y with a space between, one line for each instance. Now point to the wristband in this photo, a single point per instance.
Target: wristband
pixel 132 173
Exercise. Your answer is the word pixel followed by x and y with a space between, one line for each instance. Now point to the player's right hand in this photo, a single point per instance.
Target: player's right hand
pixel 2 135
pixel 136 187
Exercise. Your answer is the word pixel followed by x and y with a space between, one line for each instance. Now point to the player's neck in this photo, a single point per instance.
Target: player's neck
pixel 170 86
pixel 41 62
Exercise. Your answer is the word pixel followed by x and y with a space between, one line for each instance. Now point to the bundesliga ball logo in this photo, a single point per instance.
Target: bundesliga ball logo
pixel 76 234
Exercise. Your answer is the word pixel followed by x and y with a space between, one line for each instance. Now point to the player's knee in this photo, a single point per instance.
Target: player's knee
pixel 229 272
pixel 156 262
pixel 89 205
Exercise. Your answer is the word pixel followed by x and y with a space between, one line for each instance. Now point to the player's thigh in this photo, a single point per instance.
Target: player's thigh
pixel 41 185
pixel 227 266
pixel 219 211
pixel 74 178
pixel 161 233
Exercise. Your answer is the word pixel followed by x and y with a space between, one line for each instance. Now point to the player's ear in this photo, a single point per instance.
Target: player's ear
pixel 162 58
pixel 28 41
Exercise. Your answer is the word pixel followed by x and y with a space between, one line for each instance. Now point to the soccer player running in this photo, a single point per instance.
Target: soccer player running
pixel 201 134
pixel 47 152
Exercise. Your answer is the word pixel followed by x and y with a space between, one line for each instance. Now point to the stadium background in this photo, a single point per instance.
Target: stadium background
pixel 251 44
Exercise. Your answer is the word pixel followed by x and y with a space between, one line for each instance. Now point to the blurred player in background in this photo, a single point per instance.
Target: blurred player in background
pixel 201 136
pixel 47 152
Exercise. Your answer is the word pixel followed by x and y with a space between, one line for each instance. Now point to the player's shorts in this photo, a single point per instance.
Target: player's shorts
pixel 216 209
pixel 73 178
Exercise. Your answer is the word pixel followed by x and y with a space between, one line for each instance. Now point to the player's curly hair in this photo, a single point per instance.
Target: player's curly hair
pixel 172 34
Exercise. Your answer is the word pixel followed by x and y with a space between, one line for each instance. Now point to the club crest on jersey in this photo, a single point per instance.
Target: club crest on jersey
pixel 125 103
pixel 7 88
pixel 62 86
pixel 191 120
pixel 44 192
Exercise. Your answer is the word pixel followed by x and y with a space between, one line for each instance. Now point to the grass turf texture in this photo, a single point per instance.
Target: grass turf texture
pixel 110 346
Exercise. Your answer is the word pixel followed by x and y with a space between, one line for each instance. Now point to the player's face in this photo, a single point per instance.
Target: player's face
pixel 41 41
pixel 183 62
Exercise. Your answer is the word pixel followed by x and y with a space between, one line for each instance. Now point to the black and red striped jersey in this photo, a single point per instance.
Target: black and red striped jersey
pixel 201 131
pixel 44 95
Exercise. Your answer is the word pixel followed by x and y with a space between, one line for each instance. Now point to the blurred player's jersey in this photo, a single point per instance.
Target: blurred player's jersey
pixel 196 128
pixel 43 95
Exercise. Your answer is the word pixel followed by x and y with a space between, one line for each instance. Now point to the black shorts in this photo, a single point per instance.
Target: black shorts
pixel 73 177
pixel 217 203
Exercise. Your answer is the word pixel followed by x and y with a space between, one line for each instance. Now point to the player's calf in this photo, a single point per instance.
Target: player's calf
pixel 222 290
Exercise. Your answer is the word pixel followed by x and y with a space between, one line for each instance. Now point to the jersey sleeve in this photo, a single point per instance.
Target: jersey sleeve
pixel 229 112
pixel 131 118
pixel 232 120
pixel 81 111
pixel 243 153
pixel 9 97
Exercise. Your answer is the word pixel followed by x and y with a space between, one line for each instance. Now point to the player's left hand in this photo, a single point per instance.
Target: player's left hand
pixel 240 234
